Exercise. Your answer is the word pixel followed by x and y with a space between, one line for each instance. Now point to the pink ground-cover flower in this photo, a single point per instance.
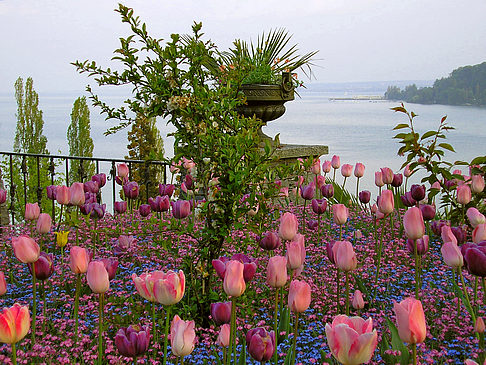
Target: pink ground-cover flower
pixel 352 340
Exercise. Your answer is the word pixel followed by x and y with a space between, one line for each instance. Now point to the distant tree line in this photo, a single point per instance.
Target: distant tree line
pixel 464 86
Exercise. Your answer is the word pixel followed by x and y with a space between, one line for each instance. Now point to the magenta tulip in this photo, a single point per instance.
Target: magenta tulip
pixel 319 206
pixel 417 192
pixel 307 192
pixel 181 208
pixel 144 210
pixel 475 259
pixel 327 191
pixel 397 180
pixel 111 264
pixel 50 192
pixel 131 190
pixel 428 211
pixel 364 196
pixel 44 266
pixel 132 341
pixel 422 245
pixel 91 187
pixel 166 189
pixel 3 284
pixel 121 207
pixel 407 199
pixel 100 179
pixel 270 241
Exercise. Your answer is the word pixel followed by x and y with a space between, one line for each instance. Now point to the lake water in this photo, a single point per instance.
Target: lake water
pixel 358 131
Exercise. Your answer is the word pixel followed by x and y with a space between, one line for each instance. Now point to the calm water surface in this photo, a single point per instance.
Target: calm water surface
pixel 358 131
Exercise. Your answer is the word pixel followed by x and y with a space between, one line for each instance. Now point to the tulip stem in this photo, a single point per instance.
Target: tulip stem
pixel 14 354
pixel 44 305
pixel 100 330
pixel 475 298
pixel 483 281
pixel 466 295
pixel 154 332
pixel 34 310
pixel 76 306
pixel 417 273
pixel 414 353
pixel 166 338
pixel 233 330
pixel 303 219
pixel 357 190
pixel 275 326
pixel 347 292
pixel 294 342
pixel 337 290
pixel 60 219
pixel 342 190
pixel 379 259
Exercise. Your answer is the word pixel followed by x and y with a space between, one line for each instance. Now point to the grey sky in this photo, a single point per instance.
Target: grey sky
pixel 358 40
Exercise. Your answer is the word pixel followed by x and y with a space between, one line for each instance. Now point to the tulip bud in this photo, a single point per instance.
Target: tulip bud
pixel 447 235
pixel 79 259
pixel 121 207
pixel 397 180
pixel 387 175
pixel 50 190
pixel 460 233
pixel 181 208
pixel 44 223
pixel 288 226
pixel 475 217
pixel 359 170
pixel 122 170
pixel 132 341
pixel 296 252
pixel 422 245
pixel 76 194
pixel 452 255
pixel 182 336
pixel 386 202
pixel 111 264
pixel 100 179
pixel 316 167
pixel 319 206
pixel 234 283
pixel 131 190
pixel 261 344
pixel 417 192
pixel 223 339
pixel 299 297
pixel 413 223
pixel 344 256
pixel 307 192
pixel 144 210
pixel 477 184
pixel 364 196
pixel 358 302
pixel 326 166
pixel 340 214
pixel 277 271
pixel 97 277
pixel 479 233
pixel 410 320
pixel 335 162
pixel 379 179
pixel 428 211
pixel 221 312
pixel 346 170
pixel 166 189
pixel 479 325
pixel 25 249
pixel 463 194
pixel 32 211
pixel 407 172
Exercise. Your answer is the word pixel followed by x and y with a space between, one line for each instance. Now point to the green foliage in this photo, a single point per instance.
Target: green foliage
pixel 80 141
pixel 145 143
pixel 464 86
pixel 29 138
pixel 264 62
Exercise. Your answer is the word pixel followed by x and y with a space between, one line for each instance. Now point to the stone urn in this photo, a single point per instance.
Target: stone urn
pixel 266 102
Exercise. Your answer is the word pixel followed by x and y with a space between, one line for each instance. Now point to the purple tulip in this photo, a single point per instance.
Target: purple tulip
pixel 166 189
pixel 121 207
pixel 307 192
pixel 121 181
pixel 111 264
pixel 270 241
pixel 160 203
pixel 450 184
pixel 407 199
pixel 436 226
pixel 428 211
pixel 3 196
pixel 364 196
pixel 96 211
pixel 221 312
pixel 417 192
pixel 51 192
pixel 422 245
pixel 475 258
pixel 86 208
pixel 260 343
pixel 181 208
pixel 91 187
pixel 330 253
pixel 100 179
pixel 397 180
pixel 131 190
pixel 44 266
pixel 90 198
pixel 319 206
pixel 189 181
pixel 123 244
pixel 327 191
pixel 144 210
pixel 460 234
pixel 132 341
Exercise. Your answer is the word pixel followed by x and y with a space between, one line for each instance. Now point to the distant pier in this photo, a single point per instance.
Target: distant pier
pixel 359 98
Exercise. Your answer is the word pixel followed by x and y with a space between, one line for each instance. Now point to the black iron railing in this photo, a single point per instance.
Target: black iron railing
pixel 21 158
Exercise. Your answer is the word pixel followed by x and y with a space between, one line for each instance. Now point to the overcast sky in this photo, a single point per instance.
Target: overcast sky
pixel 358 40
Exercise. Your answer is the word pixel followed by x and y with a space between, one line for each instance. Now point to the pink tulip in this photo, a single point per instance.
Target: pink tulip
pixel 180 208
pixel 288 226
pixel 79 259
pixel 447 235
pixel 234 283
pixel 320 181
pixel 463 194
pixel 296 253
pixel 386 203
pixel 359 170
pixel 479 326
pixel 145 284
pixel 76 194
pixel 387 175
pixel 62 195
pixel 436 186
pixel 407 172
pixel 223 339
pixel 340 214
pixel 475 217
pixel 3 284
pixel 346 170
pixel 3 196
pixel 277 271
pixel 335 162
pixel 477 184
pixel 413 223
pixel 14 323
pixel 32 211
pixel 188 164
pixel 44 223
pixel 358 302
pixel 379 179
pixel 470 362
pixel 352 340
pixel 344 255
pixel 122 170
pixel 410 320
pixel 25 249
pixel 169 287
pixel 479 233
pixel 182 336
pixel 452 255
pixel 326 166
pixel 97 277
pixel 316 167
pixel 111 264
pixel 299 296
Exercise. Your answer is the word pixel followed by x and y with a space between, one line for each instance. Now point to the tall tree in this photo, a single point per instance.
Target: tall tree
pixel 80 141
pixel 145 143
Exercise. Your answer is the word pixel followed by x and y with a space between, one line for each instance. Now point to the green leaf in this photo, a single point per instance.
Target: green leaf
pixel 397 343
pixel 481 160
pixel 428 134
pixel 400 126
pixel 400 109
pixel 400 135
pixel 242 358
pixel 447 146
pixel 284 324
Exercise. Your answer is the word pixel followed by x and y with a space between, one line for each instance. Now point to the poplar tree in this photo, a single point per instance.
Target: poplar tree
pixel 80 141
